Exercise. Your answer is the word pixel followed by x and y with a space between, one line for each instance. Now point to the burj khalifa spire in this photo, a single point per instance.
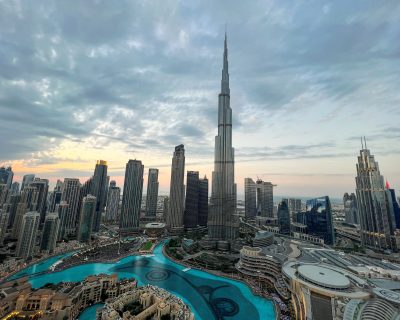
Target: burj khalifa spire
pixel 222 222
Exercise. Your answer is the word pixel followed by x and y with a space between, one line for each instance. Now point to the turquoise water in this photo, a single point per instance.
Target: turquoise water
pixel 40 267
pixel 90 313
pixel 209 296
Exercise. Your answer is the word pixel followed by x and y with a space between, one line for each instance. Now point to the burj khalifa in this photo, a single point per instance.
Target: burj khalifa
pixel 222 220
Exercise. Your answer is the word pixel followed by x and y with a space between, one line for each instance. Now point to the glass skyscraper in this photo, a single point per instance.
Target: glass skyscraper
pixel 132 196
pixel 318 219
pixel 86 219
pixel 250 198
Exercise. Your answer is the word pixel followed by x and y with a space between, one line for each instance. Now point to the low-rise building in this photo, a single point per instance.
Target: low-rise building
pixel 152 303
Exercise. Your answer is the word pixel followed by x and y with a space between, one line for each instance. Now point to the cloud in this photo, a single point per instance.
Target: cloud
pixel 100 78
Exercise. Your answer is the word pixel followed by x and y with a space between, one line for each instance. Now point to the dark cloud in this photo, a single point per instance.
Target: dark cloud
pixel 146 74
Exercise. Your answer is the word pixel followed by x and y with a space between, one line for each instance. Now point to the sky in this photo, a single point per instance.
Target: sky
pixel 118 80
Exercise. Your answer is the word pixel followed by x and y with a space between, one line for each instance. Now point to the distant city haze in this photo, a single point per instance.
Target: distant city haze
pixel 307 81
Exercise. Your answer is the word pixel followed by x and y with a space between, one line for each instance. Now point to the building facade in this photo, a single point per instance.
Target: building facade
pixel 377 221
pixel 350 208
pixel 284 218
pixel 86 219
pixel 174 219
pixel 42 186
pixel 318 219
pixel 132 196
pixel 114 194
pixel 222 220
pixel 50 233
pixel 192 199
pixel 99 190
pixel 203 202
pixel 250 198
pixel 152 193
pixel 265 198
pixel 70 195
pixel 28 233
pixel 6 176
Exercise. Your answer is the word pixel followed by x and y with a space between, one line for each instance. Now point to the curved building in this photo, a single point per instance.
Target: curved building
pixel 384 306
pixel 263 239
pixel 263 264
pixel 154 229
pixel 321 291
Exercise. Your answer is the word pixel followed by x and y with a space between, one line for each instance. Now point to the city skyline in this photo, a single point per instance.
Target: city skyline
pixel 70 98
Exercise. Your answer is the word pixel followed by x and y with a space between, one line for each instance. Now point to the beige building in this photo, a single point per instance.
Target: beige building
pixel 152 302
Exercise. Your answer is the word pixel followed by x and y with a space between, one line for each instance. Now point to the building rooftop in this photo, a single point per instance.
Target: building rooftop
pixel 323 276
pixel 155 225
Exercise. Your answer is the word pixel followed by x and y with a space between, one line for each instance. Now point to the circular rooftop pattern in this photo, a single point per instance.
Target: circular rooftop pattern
pixel 323 277
pixel 155 225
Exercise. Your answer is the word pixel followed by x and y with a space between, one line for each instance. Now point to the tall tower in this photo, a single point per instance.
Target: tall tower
pixel 4 216
pixel 27 202
pixel 250 199
pixel 27 235
pixel 152 193
pixel 203 202
pixel 132 196
pixel 42 186
pixel 191 218
pixel 222 220
pixel 28 178
pixel 376 219
pixel 6 176
pixel 112 206
pixel 86 218
pixel 174 218
pixel 265 198
pixel 70 195
pixel 50 232
pixel 284 218
pixel 99 190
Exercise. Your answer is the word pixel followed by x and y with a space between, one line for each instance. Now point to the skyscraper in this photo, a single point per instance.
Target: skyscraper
pixel 132 196
pixel 174 219
pixel 3 224
pixel 192 199
pixel 12 206
pixel 26 180
pixel 50 232
pixel 376 220
pixel 86 218
pixel 42 186
pixel 393 204
pixel 319 219
pixel 250 204
pixel 4 192
pixel 6 176
pixel 14 188
pixel 70 195
pixel 283 218
pixel 350 208
pixel 165 208
pixel 152 193
pixel 265 198
pixel 63 211
pixel 27 202
pixel 222 220
pixel 55 197
pixel 203 202
pixel 112 206
pixel 99 190
pixel 28 234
